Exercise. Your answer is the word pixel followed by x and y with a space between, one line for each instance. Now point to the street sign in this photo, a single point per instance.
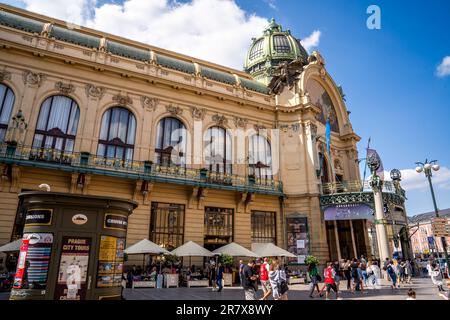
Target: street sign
pixel 441 228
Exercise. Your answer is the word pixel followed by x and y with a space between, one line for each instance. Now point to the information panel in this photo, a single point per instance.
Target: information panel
pixel 110 264
pixel 298 238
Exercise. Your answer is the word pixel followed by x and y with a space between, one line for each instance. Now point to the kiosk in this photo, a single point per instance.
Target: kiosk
pixel 72 247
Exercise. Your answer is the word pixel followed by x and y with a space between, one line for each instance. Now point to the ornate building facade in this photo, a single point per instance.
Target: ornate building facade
pixel 209 153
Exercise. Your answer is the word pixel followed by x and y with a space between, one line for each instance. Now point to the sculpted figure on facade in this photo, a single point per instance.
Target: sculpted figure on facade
pixel 32 78
pixel 149 103
pixel 197 113
pixel 95 92
pixel 64 88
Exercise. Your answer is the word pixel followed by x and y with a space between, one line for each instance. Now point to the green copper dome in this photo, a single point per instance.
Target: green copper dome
pixel 272 48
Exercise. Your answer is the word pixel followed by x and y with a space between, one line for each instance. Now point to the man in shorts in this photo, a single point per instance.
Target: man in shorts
pixel 264 277
pixel 329 275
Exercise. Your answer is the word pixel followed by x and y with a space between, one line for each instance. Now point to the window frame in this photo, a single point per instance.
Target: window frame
pixel 269 218
pixel 4 126
pixel 166 154
pixel 167 235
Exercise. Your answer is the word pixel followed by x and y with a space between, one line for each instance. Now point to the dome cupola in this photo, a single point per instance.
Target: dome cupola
pixel 269 50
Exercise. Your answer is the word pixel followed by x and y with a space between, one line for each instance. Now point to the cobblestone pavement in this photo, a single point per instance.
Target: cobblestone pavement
pixel 423 287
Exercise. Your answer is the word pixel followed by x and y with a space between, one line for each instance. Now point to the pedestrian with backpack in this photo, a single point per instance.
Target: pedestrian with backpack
pixel 392 274
pixel 278 281
pixel 329 275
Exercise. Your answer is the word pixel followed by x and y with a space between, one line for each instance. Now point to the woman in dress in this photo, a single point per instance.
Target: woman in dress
pixel 436 276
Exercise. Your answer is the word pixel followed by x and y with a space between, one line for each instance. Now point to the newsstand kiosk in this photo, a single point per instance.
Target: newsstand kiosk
pixel 72 247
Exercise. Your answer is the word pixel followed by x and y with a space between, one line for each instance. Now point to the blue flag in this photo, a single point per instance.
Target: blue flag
pixel 328 134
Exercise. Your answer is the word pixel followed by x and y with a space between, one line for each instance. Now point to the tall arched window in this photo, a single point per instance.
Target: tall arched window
pixel 218 150
pixel 260 157
pixel 171 142
pixel 6 105
pixel 117 134
pixel 324 174
pixel 57 124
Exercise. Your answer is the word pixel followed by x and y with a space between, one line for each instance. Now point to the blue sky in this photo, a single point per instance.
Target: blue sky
pixel 389 75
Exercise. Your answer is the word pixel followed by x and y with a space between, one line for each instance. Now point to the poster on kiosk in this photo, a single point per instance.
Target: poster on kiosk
pixel 21 273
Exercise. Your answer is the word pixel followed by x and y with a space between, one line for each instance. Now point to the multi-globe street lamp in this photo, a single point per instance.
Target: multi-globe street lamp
pixel 428 167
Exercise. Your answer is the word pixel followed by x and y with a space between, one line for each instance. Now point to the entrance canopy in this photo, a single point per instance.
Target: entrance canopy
pixel 12 246
pixel 191 249
pixel 235 250
pixel 145 247
pixel 270 250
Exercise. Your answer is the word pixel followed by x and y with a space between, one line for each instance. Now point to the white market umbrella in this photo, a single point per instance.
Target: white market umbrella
pixel 270 250
pixel 191 249
pixel 144 247
pixel 12 246
pixel 235 250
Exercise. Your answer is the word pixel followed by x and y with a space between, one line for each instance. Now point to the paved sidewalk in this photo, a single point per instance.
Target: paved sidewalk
pixel 423 287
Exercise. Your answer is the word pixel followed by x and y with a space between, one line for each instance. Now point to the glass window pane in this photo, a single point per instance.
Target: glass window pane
pixel 114 127
pixel 105 124
pixel 73 121
pixel 43 115
pixel 37 142
pixel 129 154
pixel 111 151
pixel 7 101
pixel 101 150
pixel 123 123
pixel 69 145
pixel 59 113
pixel 119 152
pixel 59 143
pixel 131 129
pixel 48 142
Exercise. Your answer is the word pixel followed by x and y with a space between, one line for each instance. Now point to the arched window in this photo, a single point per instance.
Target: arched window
pixel 324 175
pixel 117 134
pixel 260 157
pixel 57 124
pixel 171 142
pixel 6 105
pixel 218 152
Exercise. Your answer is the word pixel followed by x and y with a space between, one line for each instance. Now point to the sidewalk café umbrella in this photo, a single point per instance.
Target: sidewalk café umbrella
pixel 145 247
pixel 12 246
pixel 191 249
pixel 270 250
pixel 235 250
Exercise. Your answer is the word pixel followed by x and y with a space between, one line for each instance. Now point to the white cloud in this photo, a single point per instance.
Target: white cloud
pixel 271 4
pixel 411 180
pixel 444 68
pixel 312 40
pixel 214 30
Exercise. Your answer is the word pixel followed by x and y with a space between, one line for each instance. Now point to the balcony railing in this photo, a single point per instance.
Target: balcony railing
pixel 144 170
pixel 356 186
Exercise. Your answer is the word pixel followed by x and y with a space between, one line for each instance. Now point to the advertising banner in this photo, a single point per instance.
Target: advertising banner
pixel 115 221
pixel 21 275
pixel 110 264
pixel 348 211
pixel 39 217
pixel 73 269
pixel 298 238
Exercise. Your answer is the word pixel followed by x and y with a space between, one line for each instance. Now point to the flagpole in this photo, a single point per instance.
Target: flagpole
pixel 365 166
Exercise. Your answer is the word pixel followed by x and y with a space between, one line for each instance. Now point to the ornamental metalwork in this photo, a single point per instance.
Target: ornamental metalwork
pixel 95 92
pixel 32 78
pixel 64 88
pixel 149 103
pixel 123 100
pixel 389 199
pixel 197 113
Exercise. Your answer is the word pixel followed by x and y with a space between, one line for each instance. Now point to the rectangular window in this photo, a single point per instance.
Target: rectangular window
pixel 218 225
pixel 264 227
pixel 167 224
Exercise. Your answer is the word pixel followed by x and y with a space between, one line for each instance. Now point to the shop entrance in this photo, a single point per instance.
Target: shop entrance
pixel 346 239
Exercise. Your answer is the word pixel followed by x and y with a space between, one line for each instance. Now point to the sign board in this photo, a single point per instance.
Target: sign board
pixel 115 221
pixel 441 228
pixel 20 275
pixel 38 217
pixel 348 211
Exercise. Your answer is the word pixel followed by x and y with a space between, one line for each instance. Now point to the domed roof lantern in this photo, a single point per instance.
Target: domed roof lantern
pixel 272 48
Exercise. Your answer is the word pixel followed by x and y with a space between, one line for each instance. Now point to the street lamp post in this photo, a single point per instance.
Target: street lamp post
pixel 376 183
pixel 427 168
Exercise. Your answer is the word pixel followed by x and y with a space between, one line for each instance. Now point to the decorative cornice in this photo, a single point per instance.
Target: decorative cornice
pixel 123 100
pixel 219 119
pixel 174 110
pixel 240 122
pixel 32 78
pixel 197 113
pixel 5 75
pixel 64 88
pixel 95 92
pixel 149 103
pixel 294 127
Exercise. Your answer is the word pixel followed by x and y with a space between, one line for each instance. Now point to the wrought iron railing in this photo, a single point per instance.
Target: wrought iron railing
pixel 356 186
pixel 85 162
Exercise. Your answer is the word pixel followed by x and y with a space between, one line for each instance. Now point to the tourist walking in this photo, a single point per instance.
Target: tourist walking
pixel 219 276
pixel 278 281
pixel 375 272
pixel 355 275
pixel 347 273
pixel 264 278
pixel 337 276
pixel 315 278
pixel 391 273
pixel 212 274
pixel 329 275
pixel 402 271
pixel 408 271
pixel 241 267
pixel 249 281
pixel 436 276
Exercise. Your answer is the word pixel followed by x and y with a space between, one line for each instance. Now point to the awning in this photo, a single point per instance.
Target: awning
pixel 270 250
pixel 12 246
